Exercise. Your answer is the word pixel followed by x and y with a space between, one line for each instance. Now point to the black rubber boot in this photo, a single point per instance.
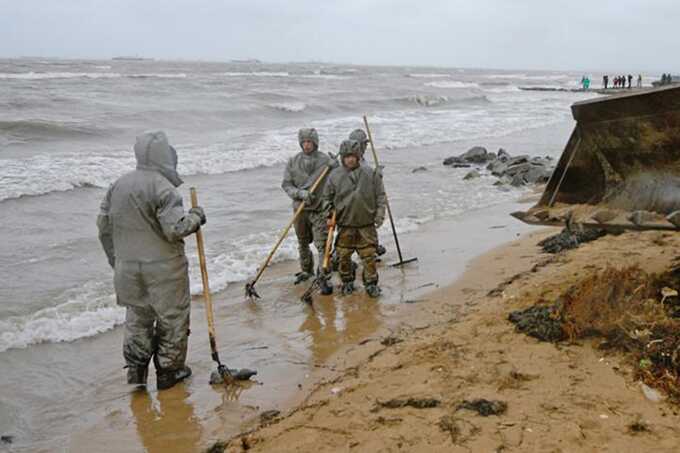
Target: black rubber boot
pixel 137 375
pixel 373 290
pixel 326 287
pixel 302 277
pixel 347 288
pixel 166 379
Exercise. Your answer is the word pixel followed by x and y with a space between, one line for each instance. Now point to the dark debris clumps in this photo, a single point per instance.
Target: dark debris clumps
pixel 570 239
pixel 485 407
pixel 632 311
pixel 540 321
pixel 418 403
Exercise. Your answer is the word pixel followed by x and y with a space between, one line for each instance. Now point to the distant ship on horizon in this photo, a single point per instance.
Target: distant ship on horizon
pixel 125 58
pixel 250 60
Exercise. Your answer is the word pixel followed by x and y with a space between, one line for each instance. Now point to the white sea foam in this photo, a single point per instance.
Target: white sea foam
pixel 91 309
pixel 502 89
pixel 255 74
pixel 290 107
pixel 325 76
pixel 85 75
pixel 239 259
pixel 509 113
pixel 157 76
pixel 58 75
pixel 85 314
pixel 452 84
pixel 529 77
pixel 427 100
pixel 45 173
pixel 426 75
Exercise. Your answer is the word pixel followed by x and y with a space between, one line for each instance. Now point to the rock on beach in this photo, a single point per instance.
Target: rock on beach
pixel 517 171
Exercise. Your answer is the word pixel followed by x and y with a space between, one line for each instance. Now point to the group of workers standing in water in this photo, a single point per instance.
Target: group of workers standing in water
pixel 142 224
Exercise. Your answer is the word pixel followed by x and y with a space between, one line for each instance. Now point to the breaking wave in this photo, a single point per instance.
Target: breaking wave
pixel 91 309
pixel 32 130
pixel 428 75
pixel 84 75
pixel 256 74
pixel 452 84
pixel 289 107
pixel 85 314
pixel 431 100
pixel 46 173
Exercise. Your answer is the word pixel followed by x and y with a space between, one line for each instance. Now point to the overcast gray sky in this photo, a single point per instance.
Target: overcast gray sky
pixel 625 35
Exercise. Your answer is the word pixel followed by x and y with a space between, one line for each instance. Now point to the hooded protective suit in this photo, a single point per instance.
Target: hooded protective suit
pixel 360 136
pixel 141 225
pixel 358 198
pixel 299 175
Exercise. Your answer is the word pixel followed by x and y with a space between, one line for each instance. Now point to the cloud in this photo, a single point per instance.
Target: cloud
pixel 483 33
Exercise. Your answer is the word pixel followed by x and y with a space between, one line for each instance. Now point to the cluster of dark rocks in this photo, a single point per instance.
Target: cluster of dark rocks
pixel 516 171
pixel 570 239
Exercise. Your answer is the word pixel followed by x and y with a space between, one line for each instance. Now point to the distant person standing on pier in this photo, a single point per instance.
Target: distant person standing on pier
pixel 639 81
pixel 630 81
pixel 586 83
pixel 605 81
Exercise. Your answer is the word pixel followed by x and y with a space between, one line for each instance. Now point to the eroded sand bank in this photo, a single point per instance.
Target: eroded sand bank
pixel 458 345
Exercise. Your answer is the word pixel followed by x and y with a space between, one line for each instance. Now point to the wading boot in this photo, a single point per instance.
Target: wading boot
pixel 347 288
pixel 302 277
pixel 325 286
pixel 373 290
pixel 166 379
pixel 136 375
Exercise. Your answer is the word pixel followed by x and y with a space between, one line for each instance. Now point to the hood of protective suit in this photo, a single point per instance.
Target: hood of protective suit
pixel 350 147
pixel 153 152
pixel 359 135
pixel 309 134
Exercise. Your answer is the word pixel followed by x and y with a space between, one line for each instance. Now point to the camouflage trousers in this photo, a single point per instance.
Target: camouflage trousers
pixel 362 240
pixel 310 227
pixel 157 300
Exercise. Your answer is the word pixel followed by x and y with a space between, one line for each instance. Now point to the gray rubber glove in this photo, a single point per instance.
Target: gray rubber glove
pixel 334 161
pixel 198 211
pixel 305 195
pixel 379 221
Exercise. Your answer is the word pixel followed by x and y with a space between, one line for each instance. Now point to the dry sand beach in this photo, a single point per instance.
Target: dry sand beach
pixel 401 389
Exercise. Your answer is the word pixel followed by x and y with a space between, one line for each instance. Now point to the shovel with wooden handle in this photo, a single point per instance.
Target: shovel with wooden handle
pixel 223 374
pixel 250 286
pixel 326 266
pixel 387 203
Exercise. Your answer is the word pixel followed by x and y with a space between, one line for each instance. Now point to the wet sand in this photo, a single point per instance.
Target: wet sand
pixel 286 341
pixel 458 345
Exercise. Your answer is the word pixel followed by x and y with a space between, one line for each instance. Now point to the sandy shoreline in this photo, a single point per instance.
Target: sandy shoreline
pixel 458 345
pixel 84 402
pixel 288 343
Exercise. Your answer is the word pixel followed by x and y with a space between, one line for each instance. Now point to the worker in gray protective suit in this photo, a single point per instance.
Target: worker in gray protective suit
pixel 300 173
pixel 356 193
pixel 142 224
pixel 360 136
